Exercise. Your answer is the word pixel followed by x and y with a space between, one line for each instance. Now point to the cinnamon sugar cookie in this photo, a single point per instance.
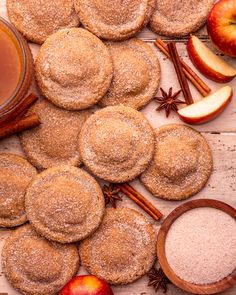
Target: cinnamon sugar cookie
pixel 182 163
pixel 74 69
pixel 136 74
pixel 122 249
pixel 179 18
pixel 64 204
pixel 37 19
pixel 55 141
pixel 114 20
pixel 36 266
pixel 15 175
pixel 116 143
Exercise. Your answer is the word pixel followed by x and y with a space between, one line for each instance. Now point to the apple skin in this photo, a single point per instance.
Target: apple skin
pixel 221 26
pixel 204 119
pixel 203 67
pixel 86 285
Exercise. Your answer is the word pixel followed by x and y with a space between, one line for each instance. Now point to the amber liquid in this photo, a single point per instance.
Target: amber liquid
pixel 10 65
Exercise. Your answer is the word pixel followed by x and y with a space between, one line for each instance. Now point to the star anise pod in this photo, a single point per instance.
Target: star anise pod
pixel 158 279
pixel 111 194
pixel 168 101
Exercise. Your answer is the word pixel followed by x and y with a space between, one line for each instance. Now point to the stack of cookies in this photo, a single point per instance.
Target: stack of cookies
pixel 77 73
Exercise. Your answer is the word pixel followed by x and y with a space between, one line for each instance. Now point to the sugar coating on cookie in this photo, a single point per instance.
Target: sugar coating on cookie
pixel 136 74
pixel 122 249
pixel 64 204
pixel 73 69
pixel 182 163
pixel 34 265
pixel 179 18
pixel 116 143
pixel 37 19
pixel 55 141
pixel 114 20
pixel 15 175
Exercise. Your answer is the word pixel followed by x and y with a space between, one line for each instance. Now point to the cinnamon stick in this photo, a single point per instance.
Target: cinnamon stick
pixel 199 84
pixel 130 192
pixel 180 73
pixel 21 108
pixel 19 125
pixel 25 104
pixel 185 66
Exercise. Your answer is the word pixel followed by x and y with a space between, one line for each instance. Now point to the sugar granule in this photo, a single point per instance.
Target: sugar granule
pixel 201 245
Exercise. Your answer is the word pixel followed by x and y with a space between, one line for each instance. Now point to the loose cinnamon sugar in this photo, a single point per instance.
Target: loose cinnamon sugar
pixel 201 245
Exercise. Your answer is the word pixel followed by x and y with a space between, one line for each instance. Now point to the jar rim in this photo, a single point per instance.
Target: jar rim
pixel 20 42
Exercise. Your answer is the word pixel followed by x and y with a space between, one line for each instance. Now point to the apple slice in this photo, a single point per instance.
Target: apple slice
pixel 208 108
pixel 208 63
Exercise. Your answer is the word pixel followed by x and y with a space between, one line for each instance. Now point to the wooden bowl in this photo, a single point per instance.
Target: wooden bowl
pixel 187 286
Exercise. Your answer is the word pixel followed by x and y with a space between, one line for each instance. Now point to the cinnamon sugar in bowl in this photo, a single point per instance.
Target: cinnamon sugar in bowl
pixel 196 246
pixel 16 70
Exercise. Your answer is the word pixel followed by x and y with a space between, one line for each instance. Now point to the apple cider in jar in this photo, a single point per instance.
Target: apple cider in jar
pixel 16 70
pixel 10 65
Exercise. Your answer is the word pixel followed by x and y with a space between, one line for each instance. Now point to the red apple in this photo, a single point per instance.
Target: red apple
pixel 208 108
pixel 86 285
pixel 208 63
pixel 221 25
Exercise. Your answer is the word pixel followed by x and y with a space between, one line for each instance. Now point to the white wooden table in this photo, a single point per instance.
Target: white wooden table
pixel 220 133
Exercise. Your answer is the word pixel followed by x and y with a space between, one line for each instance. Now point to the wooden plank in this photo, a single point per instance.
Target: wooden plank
pixel 3 10
pixel 147 35
pixel 221 134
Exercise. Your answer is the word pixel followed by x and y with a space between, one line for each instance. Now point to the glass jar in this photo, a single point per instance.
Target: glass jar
pixel 16 70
